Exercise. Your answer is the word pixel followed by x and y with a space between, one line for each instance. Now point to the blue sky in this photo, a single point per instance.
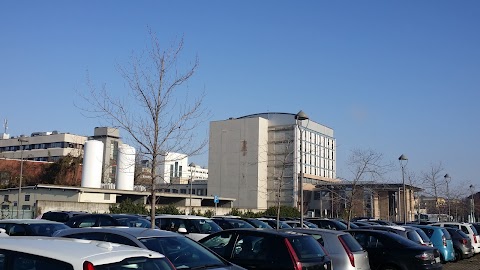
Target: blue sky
pixel 393 76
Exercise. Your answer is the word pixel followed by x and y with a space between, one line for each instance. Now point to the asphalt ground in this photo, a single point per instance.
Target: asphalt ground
pixel 467 264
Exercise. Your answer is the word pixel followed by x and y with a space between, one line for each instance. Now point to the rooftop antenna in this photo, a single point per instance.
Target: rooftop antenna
pixel 5 125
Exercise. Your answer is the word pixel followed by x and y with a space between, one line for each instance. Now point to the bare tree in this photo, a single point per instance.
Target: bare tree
pixel 163 118
pixel 433 182
pixel 365 166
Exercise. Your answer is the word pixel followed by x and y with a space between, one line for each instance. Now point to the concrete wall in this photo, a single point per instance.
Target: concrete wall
pixel 45 206
pixel 238 161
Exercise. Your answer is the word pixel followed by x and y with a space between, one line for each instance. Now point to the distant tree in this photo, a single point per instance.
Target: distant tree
pixel 163 119
pixel 365 166
pixel 169 209
pixel 65 171
pixel 433 184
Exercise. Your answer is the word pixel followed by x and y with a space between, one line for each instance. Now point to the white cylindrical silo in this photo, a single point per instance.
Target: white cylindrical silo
pixel 125 167
pixel 92 164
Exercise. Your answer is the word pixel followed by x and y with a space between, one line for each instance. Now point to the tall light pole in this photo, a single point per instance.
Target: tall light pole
pixel 21 140
pixel 300 116
pixel 472 204
pixel 447 181
pixel 403 162
pixel 192 167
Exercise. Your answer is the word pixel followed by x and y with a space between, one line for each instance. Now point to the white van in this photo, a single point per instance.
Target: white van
pixel 467 228
pixel 42 253
pixel 194 227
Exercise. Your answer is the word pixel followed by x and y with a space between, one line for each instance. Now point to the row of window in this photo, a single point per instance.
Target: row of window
pixel 6 198
pixel 42 146
pixel 199 192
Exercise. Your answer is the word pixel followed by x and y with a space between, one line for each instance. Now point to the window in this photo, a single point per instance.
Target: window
pixel 5 206
pixel 106 197
pixel 27 261
pixel 5 198
pixel 27 197
pixel 25 207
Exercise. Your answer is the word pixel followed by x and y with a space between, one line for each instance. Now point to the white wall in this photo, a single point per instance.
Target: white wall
pixel 238 161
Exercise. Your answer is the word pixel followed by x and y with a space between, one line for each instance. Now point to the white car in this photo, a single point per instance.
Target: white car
pixel 194 227
pixel 41 253
pixel 467 228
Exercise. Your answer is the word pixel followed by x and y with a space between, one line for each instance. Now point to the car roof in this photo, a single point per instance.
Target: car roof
pixel 181 216
pixel 136 232
pixel 312 230
pixel 29 221
pixel 283 233
pixel 74 250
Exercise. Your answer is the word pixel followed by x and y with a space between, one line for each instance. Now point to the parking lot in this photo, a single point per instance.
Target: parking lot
pixel 467 264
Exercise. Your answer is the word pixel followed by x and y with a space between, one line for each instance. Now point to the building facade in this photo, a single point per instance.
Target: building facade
pixel 173 168
pixel 41 146
pixel 257 158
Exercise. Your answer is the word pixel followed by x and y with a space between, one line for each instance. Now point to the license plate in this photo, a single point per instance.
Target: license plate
pixel 437 259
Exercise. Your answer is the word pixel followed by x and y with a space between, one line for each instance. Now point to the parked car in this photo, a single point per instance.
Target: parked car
pixel 363 223
pixel 273 223
pixel 41 253
pixel 325 223
pixel 344 251
pixel 92 220
pixel 231 223
pixel 268 249
pixel 31 227
pixel 194 227
pixel 61 216
pixel 252 221
pixel 462 245
pixel 441 240
pixel 180 250
pixel 132 220
pixel 388 250
pixel 296 224
pixel 425 240
pixel 467 228
pixel 409 233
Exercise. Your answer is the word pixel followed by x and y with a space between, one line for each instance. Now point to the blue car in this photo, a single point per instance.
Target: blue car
pixel 441 239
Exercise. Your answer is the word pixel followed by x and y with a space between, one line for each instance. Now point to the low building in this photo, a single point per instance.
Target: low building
pixel 38 199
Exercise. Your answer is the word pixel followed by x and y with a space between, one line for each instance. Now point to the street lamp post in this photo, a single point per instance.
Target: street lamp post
pixel 21 140
pixel 192 166
pixel 447 181
pixel 403 162
pixel 472 204
pixel 299 117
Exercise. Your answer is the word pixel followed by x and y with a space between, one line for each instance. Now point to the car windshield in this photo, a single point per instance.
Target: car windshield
pixel 134 222
pixel 183 252
pixel 306 247
pixel 423 235
pixel 351 243
pixel 205 226
pixel 138 263
pixel 473 229
pixel 260 224
pixel 47 229
pixel 447 234
pixel 414 236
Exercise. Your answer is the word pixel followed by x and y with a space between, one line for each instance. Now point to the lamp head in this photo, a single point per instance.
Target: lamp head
pixel 446 176
pixel 403 157
pixel 301 116
pixel 192 165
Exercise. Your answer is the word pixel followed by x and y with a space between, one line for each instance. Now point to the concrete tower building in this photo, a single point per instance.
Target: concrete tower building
pixel 256 159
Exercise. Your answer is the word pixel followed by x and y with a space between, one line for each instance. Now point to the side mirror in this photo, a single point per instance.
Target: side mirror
pixel 182 230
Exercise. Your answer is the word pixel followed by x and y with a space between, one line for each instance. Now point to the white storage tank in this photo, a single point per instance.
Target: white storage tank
pixel 125 167
pixel 92 164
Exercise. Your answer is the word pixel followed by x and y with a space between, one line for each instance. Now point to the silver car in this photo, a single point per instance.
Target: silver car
pixel 183 252
pixel 344 251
